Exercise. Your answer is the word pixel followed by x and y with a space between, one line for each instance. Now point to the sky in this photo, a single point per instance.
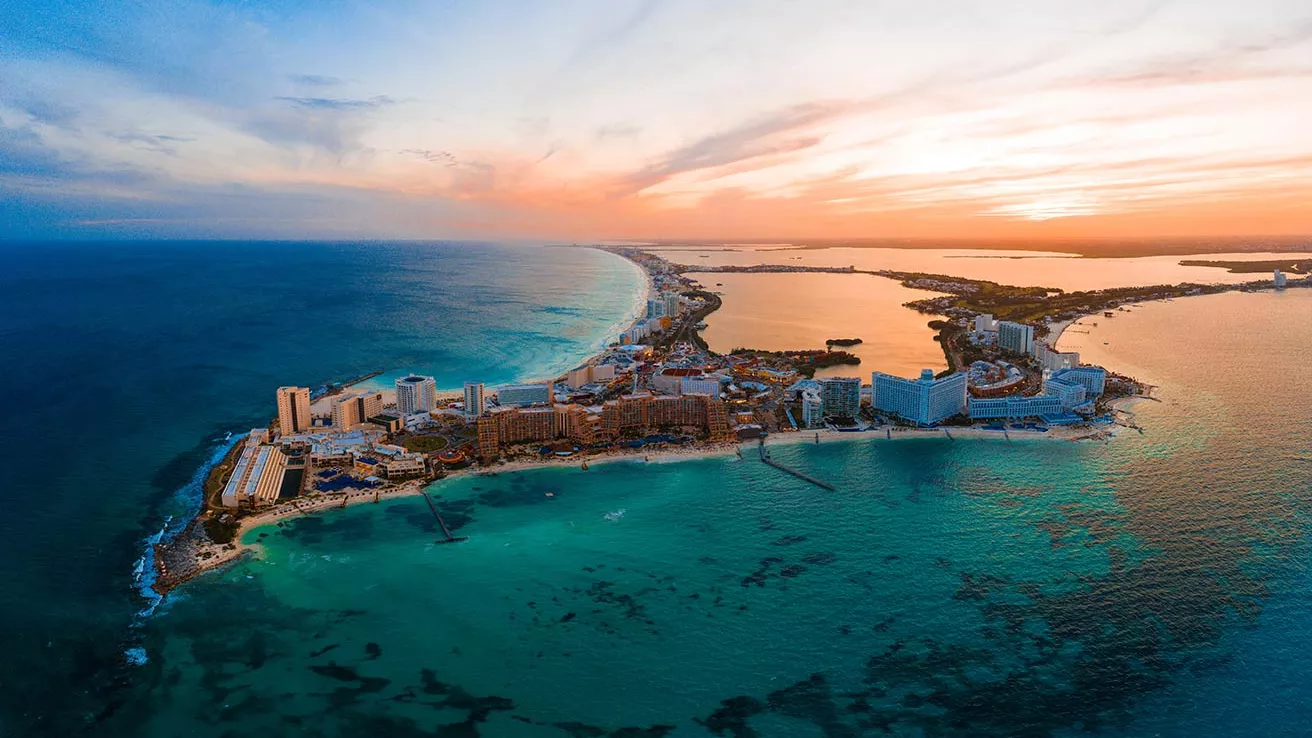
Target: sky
pixel 619 119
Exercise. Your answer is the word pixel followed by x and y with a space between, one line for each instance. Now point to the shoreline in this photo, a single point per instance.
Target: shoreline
pixel 191 553
pixel 211 556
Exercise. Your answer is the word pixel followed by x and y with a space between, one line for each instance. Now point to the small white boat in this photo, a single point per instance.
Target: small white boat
pixel 616 515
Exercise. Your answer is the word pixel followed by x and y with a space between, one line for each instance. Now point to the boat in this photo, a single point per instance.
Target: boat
pixel 615 515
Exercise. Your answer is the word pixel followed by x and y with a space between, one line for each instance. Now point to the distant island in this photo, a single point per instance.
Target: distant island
pixel 1088 248
pixel 1297 266
pixel 804 363
pixel 843 342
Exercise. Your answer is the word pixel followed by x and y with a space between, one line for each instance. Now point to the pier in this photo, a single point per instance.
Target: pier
pixel 445 530
pixel 765 457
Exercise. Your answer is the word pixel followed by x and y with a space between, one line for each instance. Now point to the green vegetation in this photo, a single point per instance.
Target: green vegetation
pixel 803 362
pixel 218 476
pixel 843 342
pixel 1292 266
pixel 1031 304
pixel 423 444
pixel 220 528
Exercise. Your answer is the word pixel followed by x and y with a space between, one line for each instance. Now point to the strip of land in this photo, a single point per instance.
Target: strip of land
pixel 763 398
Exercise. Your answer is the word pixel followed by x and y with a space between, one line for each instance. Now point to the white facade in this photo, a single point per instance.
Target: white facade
pixel 813 409
pixel 1093 378
pixel 984 323
pixel 1014 408
pixel 704 385
pixel 1055 360
pixel 524 394
pixel 1071 393
pixel 923 401
pixel 671 300
pixel 474 401
pixel 1016 337
pixel 416 394
pixel 656 308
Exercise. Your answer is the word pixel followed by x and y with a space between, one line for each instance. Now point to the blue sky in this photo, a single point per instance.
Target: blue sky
pixel 572 120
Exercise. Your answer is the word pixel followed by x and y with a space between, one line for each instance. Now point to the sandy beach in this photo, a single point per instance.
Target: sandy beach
pixel 211 556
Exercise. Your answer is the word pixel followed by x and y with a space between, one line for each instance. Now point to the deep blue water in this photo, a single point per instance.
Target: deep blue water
pixel 124 364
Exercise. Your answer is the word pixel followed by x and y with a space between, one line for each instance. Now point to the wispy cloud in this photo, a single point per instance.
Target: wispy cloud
pixel 647 118
pixel 338 104
pixel 315 80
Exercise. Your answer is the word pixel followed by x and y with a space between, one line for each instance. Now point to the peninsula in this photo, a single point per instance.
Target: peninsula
pixel 659 391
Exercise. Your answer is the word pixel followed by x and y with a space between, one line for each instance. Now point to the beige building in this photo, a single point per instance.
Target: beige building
pixel 353 410
pixel 404 466
pixel 293 410
pixel 257 478
pixel 588 374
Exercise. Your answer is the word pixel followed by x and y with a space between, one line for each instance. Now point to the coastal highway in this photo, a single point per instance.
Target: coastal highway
pixel 685 331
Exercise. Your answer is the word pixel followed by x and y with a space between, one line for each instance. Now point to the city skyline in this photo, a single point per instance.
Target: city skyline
pixel 1021 120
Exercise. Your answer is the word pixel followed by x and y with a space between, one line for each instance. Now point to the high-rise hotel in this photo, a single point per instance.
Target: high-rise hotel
pixel 475 403
pixel 353 410
pixel 293 410
pixel 416 394
pixel 923 401
pixel 1016 337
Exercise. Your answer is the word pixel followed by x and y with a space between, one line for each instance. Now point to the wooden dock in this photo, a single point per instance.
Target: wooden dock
pixel 445 530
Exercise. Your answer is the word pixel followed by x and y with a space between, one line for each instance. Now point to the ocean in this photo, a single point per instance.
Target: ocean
pixel 128 363
pixel 1156 585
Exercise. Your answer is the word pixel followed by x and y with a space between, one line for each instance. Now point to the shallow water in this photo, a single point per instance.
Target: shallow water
pixel 801 311
pixel 1156 585
pixel 127 363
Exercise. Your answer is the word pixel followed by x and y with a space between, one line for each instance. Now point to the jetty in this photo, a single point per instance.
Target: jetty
pixel 765 457
pixel 445 530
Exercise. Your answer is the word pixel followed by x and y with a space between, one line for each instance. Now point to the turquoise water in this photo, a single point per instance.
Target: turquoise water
pixel 1156 585
pixel 127 363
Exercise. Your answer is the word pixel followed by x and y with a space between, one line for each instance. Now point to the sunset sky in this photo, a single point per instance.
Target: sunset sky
pixel 655 120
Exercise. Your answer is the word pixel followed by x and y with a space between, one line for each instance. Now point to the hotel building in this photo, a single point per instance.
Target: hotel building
pixel 353 410
pixel 1092 378
pixel 257 478
pixel 416 394
pixel 1070 393
pixel 841 397
pixel 293 410
pixel 1014 407
pixel 589 374
pixel 671 304
pixel 474 401
pixel 1016 337
pixel 508 426
pixel 514 395
pixel 813 408
pixel 642 412
pixel 923 401
pixel 1054 360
